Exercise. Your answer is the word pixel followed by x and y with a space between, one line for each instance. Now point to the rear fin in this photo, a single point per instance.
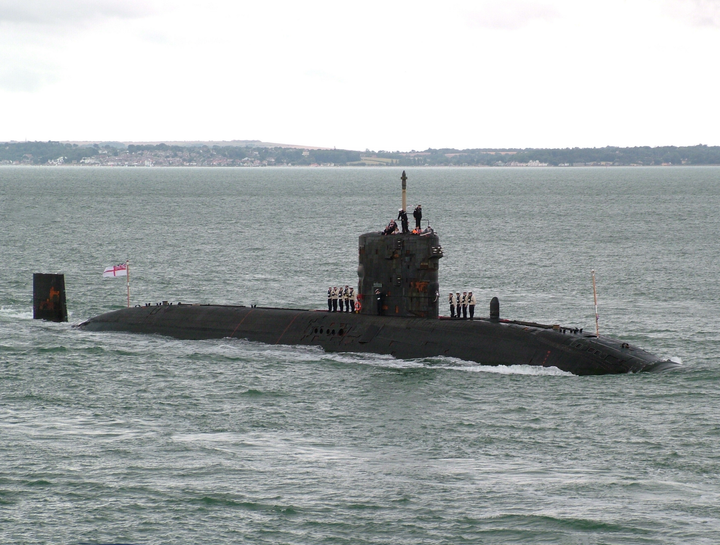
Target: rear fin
pixel 49 297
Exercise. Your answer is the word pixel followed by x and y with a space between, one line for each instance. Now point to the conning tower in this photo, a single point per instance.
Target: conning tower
pixel 398 274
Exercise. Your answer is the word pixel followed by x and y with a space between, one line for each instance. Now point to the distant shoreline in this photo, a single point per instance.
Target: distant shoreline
pixel 522 166
pixel 253 154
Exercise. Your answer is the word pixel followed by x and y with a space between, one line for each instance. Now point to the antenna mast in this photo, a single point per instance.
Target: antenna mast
pixel 597 318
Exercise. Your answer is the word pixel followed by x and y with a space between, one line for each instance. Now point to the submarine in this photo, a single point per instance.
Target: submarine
pixel 397 315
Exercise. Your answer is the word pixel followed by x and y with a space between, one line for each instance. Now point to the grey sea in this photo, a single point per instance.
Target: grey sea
pixel 118 438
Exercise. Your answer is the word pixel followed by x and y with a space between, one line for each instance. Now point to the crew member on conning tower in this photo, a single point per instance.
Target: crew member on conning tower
pixel 417 214
pixel 402 216
pixel 391 228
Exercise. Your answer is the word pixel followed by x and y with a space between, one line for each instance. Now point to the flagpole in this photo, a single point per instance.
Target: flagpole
pixel 597 318
pixel 127 265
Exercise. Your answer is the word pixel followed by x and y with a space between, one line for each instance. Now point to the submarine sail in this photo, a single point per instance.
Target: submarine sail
pixel 398 274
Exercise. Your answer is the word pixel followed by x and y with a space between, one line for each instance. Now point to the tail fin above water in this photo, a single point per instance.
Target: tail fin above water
pixel 49 297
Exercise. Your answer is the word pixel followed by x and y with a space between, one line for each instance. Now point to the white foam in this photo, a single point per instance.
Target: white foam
pixel 534 370
pixel 451 364
pixel 375 360
pixel 455 364
pixel 16 313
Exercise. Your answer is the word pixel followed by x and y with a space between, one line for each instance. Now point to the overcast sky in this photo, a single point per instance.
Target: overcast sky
pixel 383 75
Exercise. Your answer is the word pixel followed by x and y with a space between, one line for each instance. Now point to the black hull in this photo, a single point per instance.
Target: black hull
pixel 481 340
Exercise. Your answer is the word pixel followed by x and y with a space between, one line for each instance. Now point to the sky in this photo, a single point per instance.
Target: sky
pixel 379 75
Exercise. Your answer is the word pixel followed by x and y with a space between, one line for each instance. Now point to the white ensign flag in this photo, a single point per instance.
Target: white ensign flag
pixel 117 270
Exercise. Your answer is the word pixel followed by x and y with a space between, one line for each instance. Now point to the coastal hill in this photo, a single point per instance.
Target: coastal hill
pixel 254 153
pixel 195 143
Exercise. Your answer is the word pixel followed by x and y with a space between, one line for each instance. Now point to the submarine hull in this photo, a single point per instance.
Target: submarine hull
pixel 484 341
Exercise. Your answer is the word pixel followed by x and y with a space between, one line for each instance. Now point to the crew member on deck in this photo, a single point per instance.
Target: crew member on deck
pixel 417 214
pixel 329 299
pixel 464 303
pixel 391 228
pixel 402 216
pixel 346 298
pixel 334 299
pixel 451 300
pixel 379 298
pixel 352 299
pixel 471 304
pixel 457 305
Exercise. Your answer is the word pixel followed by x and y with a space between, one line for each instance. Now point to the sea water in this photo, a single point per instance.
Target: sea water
pixel 118 438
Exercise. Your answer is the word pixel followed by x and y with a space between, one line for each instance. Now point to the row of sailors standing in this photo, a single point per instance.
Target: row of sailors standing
pixel 392 227
pixel 461 304
pixel 341 297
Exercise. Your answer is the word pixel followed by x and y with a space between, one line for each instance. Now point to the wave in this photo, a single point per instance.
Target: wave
pixel 441 362
pixel 534 370
pixel 15 313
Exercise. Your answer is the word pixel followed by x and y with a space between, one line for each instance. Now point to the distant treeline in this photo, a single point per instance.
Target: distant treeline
pixel 39 153
pixel 43 153
pixel 645 155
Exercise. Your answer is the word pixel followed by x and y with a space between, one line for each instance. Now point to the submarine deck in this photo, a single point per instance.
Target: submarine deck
pixel 487 342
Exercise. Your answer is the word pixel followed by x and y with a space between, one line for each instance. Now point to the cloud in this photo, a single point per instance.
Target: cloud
pixel 38 38
pixel 51 12
pixel 510 15
pixel 701 13
pixel 323 76
pixel 24 80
